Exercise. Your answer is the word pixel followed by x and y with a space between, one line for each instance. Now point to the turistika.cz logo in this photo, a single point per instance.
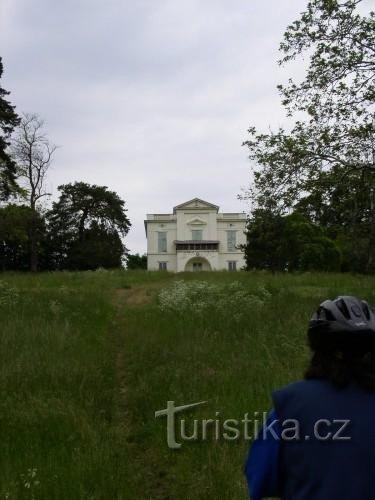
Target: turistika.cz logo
pixel 181 429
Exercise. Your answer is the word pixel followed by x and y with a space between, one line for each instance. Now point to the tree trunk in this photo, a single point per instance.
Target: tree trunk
pixel 33 243
pixel 33 254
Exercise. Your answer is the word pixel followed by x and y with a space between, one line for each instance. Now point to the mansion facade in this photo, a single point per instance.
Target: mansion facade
pixel 195 237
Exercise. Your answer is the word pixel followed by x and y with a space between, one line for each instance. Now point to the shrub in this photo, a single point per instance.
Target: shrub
pixel 199 296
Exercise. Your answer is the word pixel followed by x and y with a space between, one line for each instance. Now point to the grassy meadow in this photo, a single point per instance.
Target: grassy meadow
pixel 87 359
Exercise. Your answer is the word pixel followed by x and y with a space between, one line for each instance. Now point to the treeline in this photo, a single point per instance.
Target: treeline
pixel 83 229
pixel 313 184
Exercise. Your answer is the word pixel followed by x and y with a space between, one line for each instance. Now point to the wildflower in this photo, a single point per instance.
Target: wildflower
pixel 198 296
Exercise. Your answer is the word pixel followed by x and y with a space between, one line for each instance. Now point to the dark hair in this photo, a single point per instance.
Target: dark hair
pixel 343 368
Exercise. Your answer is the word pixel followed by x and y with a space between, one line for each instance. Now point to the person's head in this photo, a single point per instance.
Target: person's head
pixel 341 336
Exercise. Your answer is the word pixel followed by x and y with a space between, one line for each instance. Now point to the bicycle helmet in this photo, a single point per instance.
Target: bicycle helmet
pixel 345 323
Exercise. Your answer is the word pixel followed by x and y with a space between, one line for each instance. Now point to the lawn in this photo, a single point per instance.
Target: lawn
pixel 87 359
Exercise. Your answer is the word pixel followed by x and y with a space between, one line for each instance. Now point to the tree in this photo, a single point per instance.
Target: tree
pixel 33 154
pixel 339 86
pixel 15 224
pixel 8 121
pixel 136 261
pixel 344 206
pixel 288 243
pixel 307 247
pixel 337 99
pixel 100 247
pixel 264 241
pixel 86 224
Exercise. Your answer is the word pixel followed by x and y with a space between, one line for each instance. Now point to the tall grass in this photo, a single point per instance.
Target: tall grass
pixel 212 353
pixel 84 368
pixel 56 383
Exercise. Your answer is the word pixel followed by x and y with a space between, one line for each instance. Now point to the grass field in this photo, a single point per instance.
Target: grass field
pixel 87 359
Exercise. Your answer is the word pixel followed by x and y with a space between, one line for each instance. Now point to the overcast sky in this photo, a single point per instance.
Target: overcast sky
pixel 150 98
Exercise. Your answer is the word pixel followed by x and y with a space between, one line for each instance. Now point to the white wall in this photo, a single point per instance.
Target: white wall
pixel 153 262
pixel 153 257
pixel 238 257
pixel 179 227
pixel 184 228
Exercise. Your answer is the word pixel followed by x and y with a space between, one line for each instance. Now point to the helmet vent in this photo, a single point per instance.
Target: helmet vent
pixel 343 308
pixel 366 310
pixel 326 314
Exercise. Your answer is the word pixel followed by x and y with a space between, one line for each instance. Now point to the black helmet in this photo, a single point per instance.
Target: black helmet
pixel 345 323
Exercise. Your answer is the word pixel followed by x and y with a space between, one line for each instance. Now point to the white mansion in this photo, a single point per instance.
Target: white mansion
pixel 195 237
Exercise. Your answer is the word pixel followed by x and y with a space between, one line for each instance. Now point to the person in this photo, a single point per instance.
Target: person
pixel 318 441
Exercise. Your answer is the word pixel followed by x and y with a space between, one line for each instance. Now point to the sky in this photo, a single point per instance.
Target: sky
pixel 152 98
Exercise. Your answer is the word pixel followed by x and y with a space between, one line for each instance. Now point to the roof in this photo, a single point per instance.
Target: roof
pixel 195 202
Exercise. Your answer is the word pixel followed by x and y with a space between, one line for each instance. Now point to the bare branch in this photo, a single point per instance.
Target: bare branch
pixel 33 154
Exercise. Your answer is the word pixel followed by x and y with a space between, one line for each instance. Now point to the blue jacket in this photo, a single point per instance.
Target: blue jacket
pixel 327 450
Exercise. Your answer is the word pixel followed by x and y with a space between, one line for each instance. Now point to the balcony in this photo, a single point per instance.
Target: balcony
pixel 184 245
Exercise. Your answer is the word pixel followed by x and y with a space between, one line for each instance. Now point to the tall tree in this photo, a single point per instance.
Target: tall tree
pixel 336 97
pixel 8 121
pixel 33 152
pixel 86 225
pixel 99 247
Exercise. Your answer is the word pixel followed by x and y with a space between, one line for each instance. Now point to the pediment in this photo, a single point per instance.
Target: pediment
pixel 197 221
pixel 196 203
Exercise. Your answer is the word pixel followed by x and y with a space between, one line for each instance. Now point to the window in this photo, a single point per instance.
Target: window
pixel 231 241
pixel 162 266
pixel 232 265
pixel 196 234
pixel 162 241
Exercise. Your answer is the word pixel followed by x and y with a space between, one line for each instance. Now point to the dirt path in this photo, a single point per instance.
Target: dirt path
pixel 154 485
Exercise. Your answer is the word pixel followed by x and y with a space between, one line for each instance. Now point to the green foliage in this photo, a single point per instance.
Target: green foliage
pixel 82 231
pixel 307 248
pixel 80 204
pixel 339 83
pixel 8 121
pixel 344 206
pixel 328 157
pixel 85 227
pixel 264 249
pixel 98 247
pixel 289 243
pixel 136 261
pixel 15 224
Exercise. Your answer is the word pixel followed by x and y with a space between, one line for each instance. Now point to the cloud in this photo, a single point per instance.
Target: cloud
pixel 152 99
